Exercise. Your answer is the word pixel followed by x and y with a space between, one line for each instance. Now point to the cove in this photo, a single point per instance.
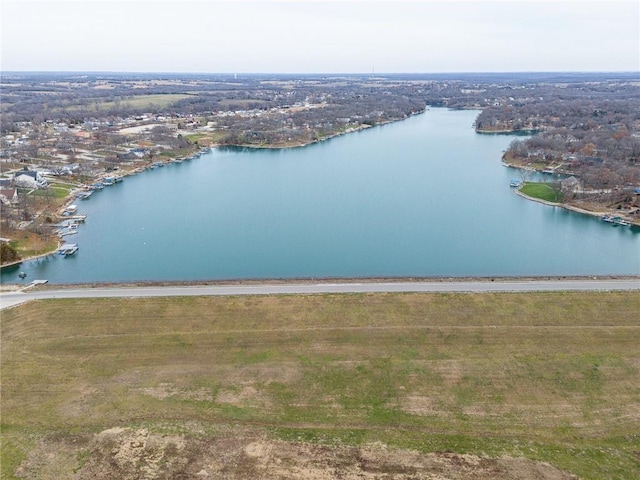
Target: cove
pixel 425 197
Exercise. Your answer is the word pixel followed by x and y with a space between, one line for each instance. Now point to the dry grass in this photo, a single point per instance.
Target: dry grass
pixel 162 100
pixel 548 376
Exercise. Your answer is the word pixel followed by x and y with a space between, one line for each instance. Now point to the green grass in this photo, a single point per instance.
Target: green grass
pixel 548 376
pixel 53 191
pixel 207 138
pixel 544 191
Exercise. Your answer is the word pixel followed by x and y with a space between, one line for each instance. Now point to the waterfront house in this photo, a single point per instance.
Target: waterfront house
pixel 570 184
pixel 29 177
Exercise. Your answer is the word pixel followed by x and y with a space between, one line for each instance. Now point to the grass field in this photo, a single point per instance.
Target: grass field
pixel 57 191
pixel 552 377
pixel 162 100
pixel 543 191
pixel 208 138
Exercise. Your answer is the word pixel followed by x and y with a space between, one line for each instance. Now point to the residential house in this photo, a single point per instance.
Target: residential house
pixel 29 179
pixel 570 184
pixel 9 196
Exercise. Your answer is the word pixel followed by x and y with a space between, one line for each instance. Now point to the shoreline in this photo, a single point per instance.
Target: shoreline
pixel 571 208
pixel 507 131
pixel 303 144
pixel 35 257
pixel 561 205
pixel 360 128
pixel 565 206
pixel 322 281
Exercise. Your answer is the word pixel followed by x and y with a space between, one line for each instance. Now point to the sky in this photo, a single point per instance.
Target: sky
pixel 313 36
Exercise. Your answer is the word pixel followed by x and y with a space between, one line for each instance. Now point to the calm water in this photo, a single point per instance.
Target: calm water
pixel 422 197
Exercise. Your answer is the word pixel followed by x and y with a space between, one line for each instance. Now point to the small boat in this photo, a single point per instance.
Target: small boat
pixel 515 184
pixel 70 229
pixel 67 231
pixel 68 249
pixel 83 195
pixel 616 221
pixel 71 209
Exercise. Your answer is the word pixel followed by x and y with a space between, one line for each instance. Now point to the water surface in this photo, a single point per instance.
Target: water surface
pixel 423 197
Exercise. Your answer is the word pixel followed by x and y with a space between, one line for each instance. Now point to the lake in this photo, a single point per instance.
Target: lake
pixel 425 197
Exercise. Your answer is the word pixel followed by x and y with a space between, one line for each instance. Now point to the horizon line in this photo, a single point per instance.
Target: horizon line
pixel 469 72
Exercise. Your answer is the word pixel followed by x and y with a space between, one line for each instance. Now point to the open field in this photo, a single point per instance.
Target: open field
pixel 207 138
pixel 355 384
pixel 162 100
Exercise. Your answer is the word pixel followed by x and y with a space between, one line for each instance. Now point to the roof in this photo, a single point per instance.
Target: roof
pixel 28 173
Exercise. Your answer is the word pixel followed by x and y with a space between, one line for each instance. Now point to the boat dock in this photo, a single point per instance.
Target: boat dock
pixel 68 249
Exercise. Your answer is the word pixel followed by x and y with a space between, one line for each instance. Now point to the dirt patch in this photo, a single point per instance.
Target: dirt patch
pixel 420 405
pixel 165 390
pixel 141 454
pixel 244 396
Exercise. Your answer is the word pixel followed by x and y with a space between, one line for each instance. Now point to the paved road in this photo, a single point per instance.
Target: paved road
pixel 16 298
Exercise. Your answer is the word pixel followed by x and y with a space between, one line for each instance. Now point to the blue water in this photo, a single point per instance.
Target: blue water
pixel 423 197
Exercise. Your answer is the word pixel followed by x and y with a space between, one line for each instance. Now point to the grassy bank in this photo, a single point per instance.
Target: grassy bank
pixel 548 376
pixel 549 192
pixel 29 245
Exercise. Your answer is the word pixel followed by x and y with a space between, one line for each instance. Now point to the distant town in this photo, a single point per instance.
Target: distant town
pixel 66 135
